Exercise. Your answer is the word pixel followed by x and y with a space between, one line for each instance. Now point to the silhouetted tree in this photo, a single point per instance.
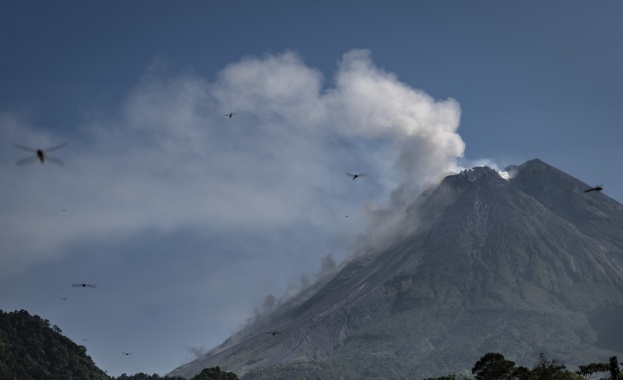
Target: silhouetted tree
pixel 144 376
pixel 614 368
pixel 586 371
pixel 522 373
pixel 493 366
pixel 215 373
pixel 551 369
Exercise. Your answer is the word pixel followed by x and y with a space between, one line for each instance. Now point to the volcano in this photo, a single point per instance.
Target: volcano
pixel 521 266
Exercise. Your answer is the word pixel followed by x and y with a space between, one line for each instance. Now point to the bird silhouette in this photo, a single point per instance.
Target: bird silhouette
pixel 83 285
pixel 64 298
pixel 230 114
pixel 40 154
pixel 596 188
pixel 127 353
pixel 273 333
pixel 355 176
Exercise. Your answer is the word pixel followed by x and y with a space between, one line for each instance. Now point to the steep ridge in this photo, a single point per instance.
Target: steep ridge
pixel 521 266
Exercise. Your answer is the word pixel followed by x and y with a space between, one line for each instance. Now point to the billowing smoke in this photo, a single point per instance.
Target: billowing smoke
pixel 173 159
pixel 421 131
pixel 424 143
pixel 197 352
pixel 414 139
pixel 328 264
pixel 295 293
pixel 272 176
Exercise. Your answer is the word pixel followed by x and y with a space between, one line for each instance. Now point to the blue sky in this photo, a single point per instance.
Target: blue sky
pixel 186 219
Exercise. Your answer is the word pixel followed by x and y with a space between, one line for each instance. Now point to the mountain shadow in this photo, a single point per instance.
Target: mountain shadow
pixel 522 266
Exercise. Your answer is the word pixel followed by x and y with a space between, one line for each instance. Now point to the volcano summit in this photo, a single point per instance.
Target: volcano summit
pixel 520 266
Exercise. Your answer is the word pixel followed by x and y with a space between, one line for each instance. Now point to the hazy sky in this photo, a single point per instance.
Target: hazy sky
pixel 186 219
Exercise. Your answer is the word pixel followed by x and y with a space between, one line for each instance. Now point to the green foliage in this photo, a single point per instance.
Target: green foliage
pixel 614 368
pixel 493 366
pixel 30 349
pixel 215 373
pixel 586 371
pixel 551 369
pixel 144 376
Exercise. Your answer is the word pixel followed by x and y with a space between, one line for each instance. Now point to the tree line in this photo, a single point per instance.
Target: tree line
pixel 213 373
pixel 33 349
pixel 493 366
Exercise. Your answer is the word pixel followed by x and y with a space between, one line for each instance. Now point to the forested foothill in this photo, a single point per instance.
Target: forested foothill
pixel 32 349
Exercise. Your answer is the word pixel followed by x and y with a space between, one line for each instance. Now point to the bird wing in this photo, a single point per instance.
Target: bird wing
pixel 26 160
pixel 27 149
pixel 55 147
pixel 350 174
pixel 595 188
pixel 54 160
pixel 83 285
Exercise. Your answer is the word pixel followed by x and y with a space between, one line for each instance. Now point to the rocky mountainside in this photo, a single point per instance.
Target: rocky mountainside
pixel 521 266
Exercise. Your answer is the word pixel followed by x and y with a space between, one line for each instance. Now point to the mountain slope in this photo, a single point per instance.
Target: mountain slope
pixel 520 266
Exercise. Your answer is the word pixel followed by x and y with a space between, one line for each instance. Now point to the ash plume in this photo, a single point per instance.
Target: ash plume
pixel 413 137
pixel 197 352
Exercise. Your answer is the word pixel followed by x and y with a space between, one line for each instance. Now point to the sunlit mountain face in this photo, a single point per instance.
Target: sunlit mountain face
pixel 520 264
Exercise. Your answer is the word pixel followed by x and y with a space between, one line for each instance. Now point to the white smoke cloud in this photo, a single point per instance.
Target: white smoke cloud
pixel 172 160
pixel 197 352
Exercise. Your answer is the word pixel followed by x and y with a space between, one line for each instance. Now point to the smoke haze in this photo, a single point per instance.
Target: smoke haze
pixel 199 215
pixel 172 159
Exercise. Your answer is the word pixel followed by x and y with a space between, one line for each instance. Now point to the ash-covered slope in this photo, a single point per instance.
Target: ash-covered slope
pixel 520 266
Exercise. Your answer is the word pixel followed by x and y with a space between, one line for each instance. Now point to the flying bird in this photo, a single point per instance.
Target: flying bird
pixel 83 285
pixel 596 188
pixel 64 298
pixel 273 333
pixel 127 353
pixel 230 114
pixel 40 154
pixel 355 176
